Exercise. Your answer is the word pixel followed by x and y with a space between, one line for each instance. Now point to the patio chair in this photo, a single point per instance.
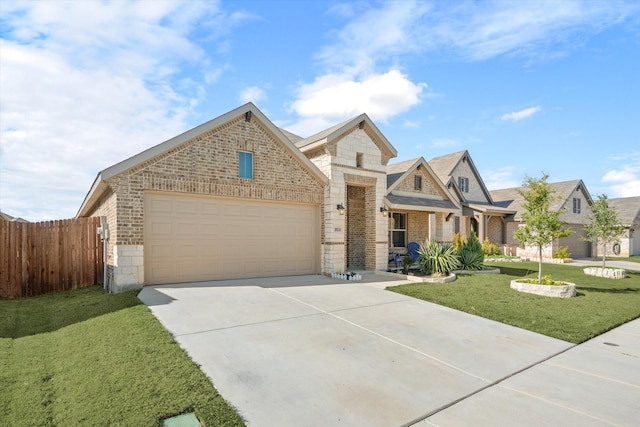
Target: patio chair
pixel 413 248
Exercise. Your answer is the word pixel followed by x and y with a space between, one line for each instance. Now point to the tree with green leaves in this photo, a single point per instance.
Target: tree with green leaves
pixel 542 225
pixel 605 226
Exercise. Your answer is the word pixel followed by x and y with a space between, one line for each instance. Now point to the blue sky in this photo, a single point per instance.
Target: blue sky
pixel 526 86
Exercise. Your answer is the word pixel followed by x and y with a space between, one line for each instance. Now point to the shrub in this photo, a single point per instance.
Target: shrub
pixel 562 253
pixel 458 241
pixel 489 248
pixel 406 262
pixel 436 258
pixel 546 280
pixel 471 255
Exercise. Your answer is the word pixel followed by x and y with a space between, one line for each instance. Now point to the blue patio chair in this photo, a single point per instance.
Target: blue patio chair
pixel 413 248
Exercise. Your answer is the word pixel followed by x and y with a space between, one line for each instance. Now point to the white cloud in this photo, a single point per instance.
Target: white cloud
pixel 624 182
pixel 335 97
pixel 87 84
pixel 520 115
pixel 252 94
pixel 496 179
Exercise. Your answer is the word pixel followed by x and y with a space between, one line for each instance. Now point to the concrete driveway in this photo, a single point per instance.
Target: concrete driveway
pixel 316 351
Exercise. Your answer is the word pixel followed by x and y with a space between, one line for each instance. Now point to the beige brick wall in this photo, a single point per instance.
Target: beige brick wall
pixel 208 165
pixel 429 185
pixel 494 230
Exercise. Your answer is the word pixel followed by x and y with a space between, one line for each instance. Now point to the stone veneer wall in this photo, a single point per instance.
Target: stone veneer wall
pixel 206 165
pixel 475 193
pixel 338 160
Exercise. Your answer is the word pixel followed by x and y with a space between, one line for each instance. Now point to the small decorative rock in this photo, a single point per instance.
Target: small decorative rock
pixel 609 273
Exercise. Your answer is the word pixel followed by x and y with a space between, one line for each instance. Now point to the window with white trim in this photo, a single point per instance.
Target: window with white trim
pixel 463 184
pixel 245 168
pixel 398 229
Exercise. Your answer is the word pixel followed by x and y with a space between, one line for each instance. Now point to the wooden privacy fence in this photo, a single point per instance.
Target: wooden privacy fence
pixel 41 257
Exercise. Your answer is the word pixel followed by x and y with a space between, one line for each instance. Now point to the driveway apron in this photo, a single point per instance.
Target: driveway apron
pixel 316 351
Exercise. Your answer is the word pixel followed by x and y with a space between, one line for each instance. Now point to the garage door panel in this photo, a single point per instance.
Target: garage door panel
pixel 194 238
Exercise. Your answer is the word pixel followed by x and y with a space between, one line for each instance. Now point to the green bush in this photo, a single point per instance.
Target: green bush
pixel 471 255
pixel 458 241
pixel 562 253
pixel 489 248
pixel 437 258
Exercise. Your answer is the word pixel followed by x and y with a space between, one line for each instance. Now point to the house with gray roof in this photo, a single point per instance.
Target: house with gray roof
pixel 628 210
pixel 571 196
pixel 420 206
pixel 479 212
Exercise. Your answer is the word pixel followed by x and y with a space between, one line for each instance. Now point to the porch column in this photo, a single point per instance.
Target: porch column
pixel 433 227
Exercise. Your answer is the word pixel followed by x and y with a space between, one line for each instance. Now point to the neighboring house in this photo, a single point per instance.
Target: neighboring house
pixel 9 218
pixel 420 206
pixel 572 196
pixel 232 198
pixel 479 212
pixel 628 210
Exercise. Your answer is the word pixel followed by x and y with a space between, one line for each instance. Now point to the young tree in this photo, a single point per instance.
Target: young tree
pixel 605 225
pixel 542 225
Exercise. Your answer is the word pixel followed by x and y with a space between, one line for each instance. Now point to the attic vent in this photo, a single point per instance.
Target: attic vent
pixel 361 125
pixel 247 116
pixel 358 160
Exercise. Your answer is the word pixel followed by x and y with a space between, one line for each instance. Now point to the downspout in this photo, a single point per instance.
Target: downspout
pixel 104 235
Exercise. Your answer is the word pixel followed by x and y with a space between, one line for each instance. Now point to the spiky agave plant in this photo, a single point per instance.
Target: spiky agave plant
pixel 437 258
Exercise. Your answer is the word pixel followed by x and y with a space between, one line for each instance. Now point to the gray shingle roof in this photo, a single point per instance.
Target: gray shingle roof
pixel 628 209
pixel 421 202
pixel 511 198
pixel 396 170
pixel 443 165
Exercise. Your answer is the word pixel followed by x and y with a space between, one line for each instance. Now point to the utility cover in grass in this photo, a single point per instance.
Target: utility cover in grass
pixel 183 420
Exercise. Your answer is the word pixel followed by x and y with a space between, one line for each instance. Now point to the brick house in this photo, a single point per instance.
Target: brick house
pixel 479 212
pixel 232 198
pixel 238 197
pixel 420 206
pixel 572 196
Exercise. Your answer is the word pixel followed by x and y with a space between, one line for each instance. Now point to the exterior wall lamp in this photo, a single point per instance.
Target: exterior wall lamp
pixel 340 208
pixel 384 211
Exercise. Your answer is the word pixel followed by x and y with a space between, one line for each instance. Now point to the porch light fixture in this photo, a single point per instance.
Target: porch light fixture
pixel 383 210
pixel 340 208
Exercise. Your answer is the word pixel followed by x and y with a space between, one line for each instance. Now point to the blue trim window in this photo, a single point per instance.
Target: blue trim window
pixel 245 160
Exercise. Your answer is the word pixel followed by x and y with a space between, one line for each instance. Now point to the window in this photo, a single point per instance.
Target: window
pixel 463 183
pixel 576 205
pixel 245 165
pixel 358 160
pixel 418 182
pixel 398 230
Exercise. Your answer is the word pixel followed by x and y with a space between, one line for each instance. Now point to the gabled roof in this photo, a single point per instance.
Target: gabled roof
pixel 444 166
pixel 327 136
pixel 290 136
pixel 420 203
pixel 100 186
pixel 9 218
pixel 627 208
pixel 511 198
pixel 397 172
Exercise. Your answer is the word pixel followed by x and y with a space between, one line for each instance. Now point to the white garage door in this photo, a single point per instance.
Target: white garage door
pixel 195 238
pixel 577 246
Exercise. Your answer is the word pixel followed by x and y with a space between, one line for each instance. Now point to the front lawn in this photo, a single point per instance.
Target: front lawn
pixel 600 304
pixel 85 357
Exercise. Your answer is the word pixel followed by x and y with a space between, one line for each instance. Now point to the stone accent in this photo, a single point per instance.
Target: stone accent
pixel 127 268
pixel 567 290
pixel 609 273
pixel 475 193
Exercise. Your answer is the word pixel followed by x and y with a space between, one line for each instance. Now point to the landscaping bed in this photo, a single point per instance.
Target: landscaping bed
pixel 600 304
pixel 85 357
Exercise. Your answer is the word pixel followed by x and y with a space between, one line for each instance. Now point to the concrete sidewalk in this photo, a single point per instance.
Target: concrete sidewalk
pixel 596 383
pixel 310 350
pixel 594 262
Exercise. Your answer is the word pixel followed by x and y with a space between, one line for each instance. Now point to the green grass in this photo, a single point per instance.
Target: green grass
pixel 635 258
pixel 601 304
pixel 85 357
